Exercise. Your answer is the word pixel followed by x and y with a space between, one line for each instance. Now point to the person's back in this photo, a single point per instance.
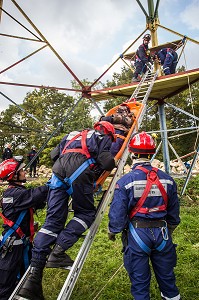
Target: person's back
pixel 145 207
pixel 75 160
pixel 168 58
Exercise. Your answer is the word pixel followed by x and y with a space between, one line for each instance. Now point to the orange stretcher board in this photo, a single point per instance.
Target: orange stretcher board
pixel 135 108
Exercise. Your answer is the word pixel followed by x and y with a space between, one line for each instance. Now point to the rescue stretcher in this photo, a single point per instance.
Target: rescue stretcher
pixel 135 108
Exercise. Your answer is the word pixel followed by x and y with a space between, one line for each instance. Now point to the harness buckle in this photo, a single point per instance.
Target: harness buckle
pixel 7 246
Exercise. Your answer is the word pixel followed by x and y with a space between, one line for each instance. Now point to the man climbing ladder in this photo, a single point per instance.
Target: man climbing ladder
pixel 76 158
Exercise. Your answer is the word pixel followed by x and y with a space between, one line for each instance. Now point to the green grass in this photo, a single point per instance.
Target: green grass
pixel 102 272
pixel 103 275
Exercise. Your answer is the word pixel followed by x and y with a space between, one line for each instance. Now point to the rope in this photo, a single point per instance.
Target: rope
pixel 96 297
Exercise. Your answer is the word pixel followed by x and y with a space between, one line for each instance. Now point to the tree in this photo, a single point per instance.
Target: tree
pixel 43 112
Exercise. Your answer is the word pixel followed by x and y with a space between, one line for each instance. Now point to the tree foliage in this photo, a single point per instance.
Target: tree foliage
pixel 48 113
pixel 43 112
pixel 186 100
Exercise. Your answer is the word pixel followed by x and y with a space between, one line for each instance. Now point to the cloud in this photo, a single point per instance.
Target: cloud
pixel 87 35
pixel 190 15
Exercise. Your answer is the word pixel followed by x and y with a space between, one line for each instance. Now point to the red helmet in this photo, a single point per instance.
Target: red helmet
pixel 10 167
pixel 106 128
pixel 142 143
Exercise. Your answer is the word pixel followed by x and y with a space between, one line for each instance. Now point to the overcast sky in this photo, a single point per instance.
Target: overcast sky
pixel 88 35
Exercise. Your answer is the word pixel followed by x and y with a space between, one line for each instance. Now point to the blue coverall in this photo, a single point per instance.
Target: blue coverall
pixel 143 244
pixel 65 165
pixel 33 166
pixel 142 58
pixel 169 59
pixel 16 199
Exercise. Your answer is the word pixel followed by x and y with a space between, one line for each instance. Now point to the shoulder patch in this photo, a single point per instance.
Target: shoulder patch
pixel 8 200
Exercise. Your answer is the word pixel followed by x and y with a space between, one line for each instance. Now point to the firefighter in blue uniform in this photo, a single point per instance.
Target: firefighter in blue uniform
pixel 122 121
pixel 168 58
pixel 18 205
pixel 76 159
pixel 33 166
pixel 143 58
pixel 145 208
pixel 7 152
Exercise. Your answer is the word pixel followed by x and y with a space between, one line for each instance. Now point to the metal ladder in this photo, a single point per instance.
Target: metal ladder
pixel 143 89
pixel 146 84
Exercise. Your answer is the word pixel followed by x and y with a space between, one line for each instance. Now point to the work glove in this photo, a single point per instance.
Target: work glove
pixel 111 236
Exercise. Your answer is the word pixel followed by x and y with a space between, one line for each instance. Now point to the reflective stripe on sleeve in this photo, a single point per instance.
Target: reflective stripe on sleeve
pixel 48 232
pixel 81 222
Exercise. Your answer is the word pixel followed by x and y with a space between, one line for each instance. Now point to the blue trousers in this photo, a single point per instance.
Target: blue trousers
pixel 11 266
pixel 136 262
pixel 54 230
pixel 140 68
pixel 170 64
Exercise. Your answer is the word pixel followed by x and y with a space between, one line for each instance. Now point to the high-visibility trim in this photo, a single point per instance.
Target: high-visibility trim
pixel 81 222
pixel 143 182
pixel 48 232
pixel 173 298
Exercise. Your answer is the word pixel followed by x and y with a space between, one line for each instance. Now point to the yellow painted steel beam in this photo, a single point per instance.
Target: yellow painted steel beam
pixel 175 32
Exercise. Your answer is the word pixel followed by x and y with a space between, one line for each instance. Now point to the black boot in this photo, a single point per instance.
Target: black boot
pixel 59 259
pixel 32 287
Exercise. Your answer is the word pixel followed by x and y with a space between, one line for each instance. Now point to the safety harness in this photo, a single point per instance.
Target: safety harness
pixel 137 58
pixel 152 179
pixel 55 181
pixel 15 227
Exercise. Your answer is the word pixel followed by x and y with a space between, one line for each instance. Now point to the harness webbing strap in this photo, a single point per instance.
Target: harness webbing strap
pixel 83 150
pixel 152 179
pixel 32 231
pixel 142 245
pixel 13 226
pixel 81 169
